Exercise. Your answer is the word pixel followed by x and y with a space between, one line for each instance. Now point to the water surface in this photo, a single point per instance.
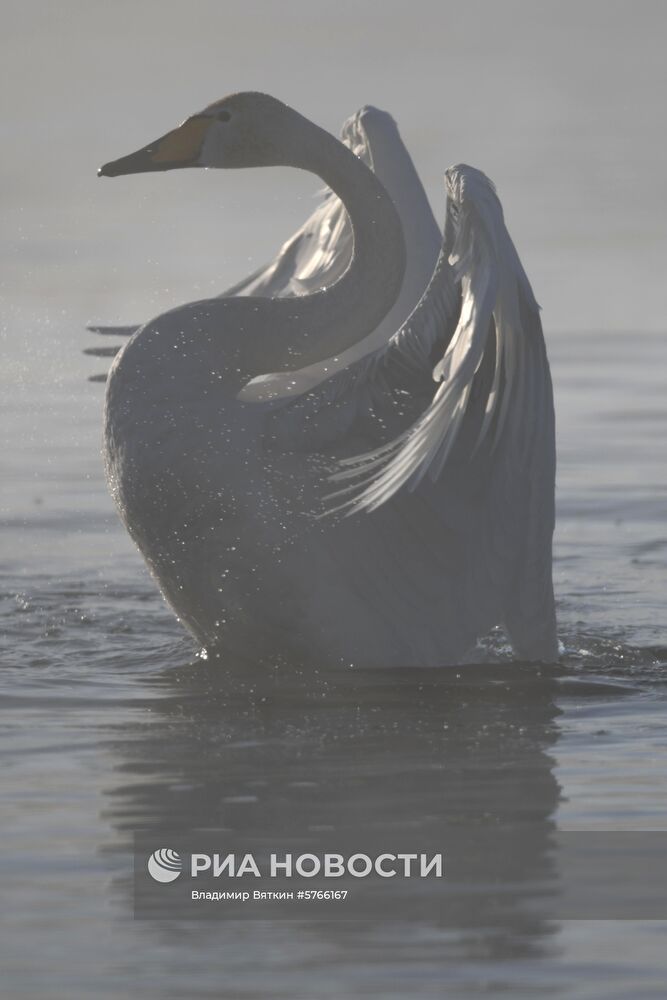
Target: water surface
pixel 111 724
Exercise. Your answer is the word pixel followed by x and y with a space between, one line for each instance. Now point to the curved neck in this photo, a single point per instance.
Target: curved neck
pixel 353 306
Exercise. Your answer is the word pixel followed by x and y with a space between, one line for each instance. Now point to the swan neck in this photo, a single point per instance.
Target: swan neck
pixel 361 298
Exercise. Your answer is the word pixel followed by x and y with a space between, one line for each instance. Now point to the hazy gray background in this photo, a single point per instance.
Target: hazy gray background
pixel 106 727
pixel 561 103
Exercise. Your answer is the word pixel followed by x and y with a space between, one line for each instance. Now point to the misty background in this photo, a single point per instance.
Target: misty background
pixel 562 104
pixel 108 724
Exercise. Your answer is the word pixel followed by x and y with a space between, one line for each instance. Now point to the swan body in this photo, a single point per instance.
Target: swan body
pixel 220 485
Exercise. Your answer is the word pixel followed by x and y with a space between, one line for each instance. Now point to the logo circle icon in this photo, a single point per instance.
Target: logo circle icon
pixel 164 865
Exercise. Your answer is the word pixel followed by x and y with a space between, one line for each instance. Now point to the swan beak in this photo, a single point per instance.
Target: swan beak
pixel 179 148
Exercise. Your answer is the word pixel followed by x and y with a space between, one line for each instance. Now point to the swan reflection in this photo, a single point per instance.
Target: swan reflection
pixel 442 762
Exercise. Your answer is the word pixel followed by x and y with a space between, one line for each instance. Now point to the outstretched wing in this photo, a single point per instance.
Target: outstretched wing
pixel 475 523
pixel 492 279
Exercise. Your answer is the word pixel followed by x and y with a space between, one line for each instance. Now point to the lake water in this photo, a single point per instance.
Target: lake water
pixel 111 724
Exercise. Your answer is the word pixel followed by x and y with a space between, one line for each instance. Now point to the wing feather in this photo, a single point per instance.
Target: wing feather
pixel 486 264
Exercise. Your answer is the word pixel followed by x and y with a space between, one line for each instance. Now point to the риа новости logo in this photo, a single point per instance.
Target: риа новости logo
pixel 164 865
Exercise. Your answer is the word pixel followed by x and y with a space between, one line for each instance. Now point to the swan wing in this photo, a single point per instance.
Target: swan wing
pixel 481 460
pixel 471 481
pixel 316 255
pixel 492 280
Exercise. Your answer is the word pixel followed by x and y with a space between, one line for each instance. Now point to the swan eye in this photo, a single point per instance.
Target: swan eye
pixel 223 116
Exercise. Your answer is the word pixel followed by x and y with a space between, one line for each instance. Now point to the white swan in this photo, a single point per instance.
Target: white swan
pixel 321 249
pixel 219 493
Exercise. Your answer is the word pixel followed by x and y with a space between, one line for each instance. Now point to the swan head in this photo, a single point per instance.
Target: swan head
pixel 242 130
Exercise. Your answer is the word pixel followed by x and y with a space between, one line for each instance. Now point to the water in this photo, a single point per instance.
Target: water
pixel 110 724
pixel 109 721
